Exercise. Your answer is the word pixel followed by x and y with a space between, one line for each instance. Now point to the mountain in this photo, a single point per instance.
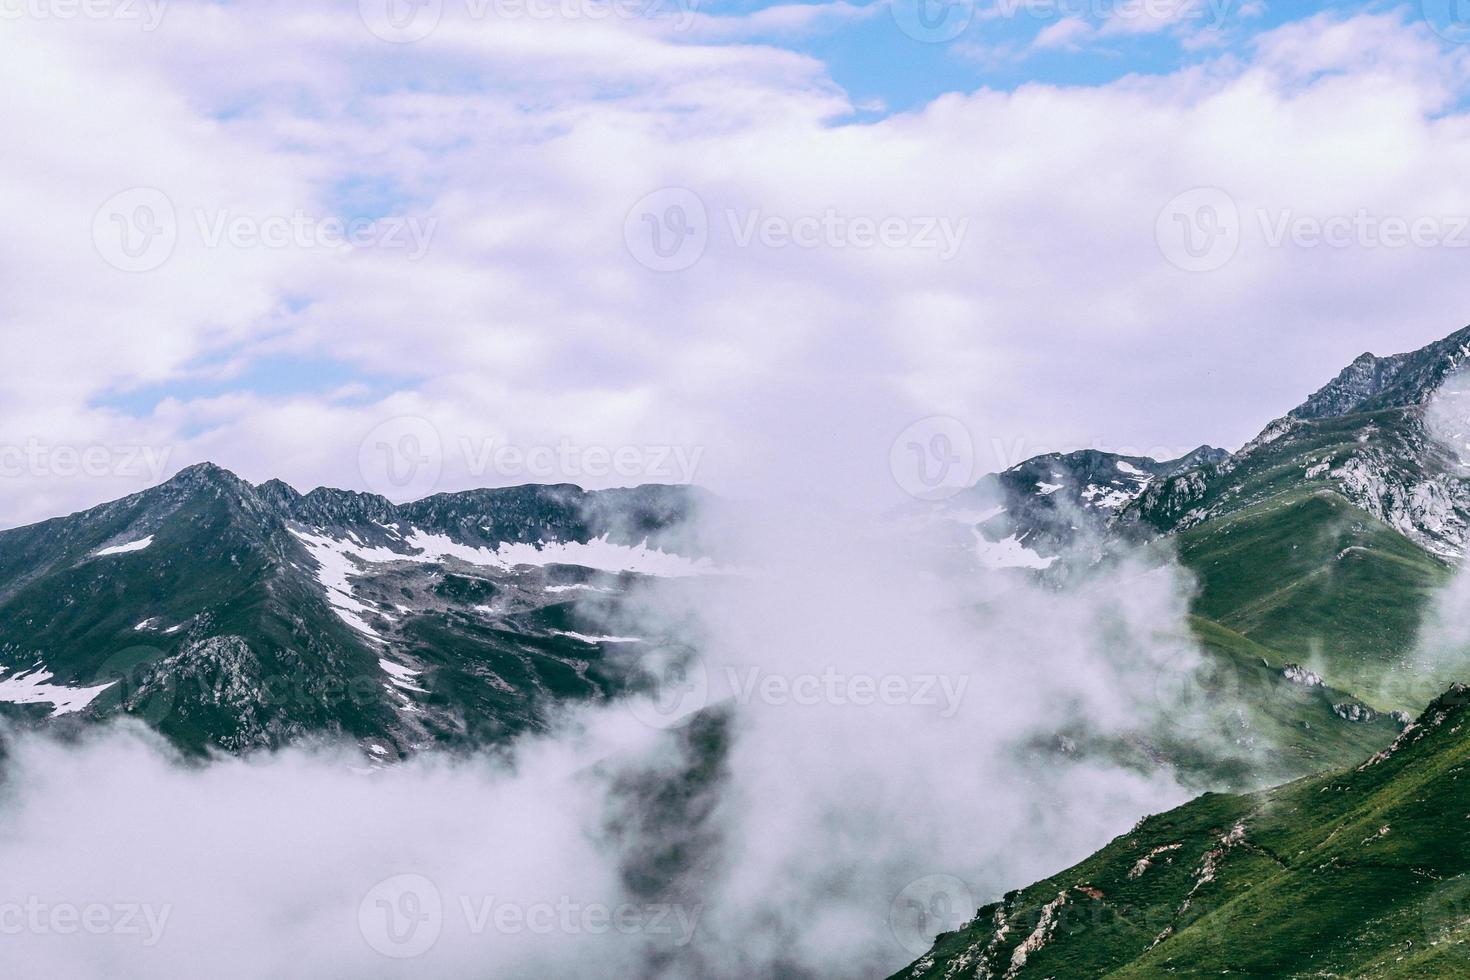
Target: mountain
pixel 1326 534
pixel 1363 872
pixel 1372 383
pixel 1050 506
pixel 1323 539
pixel 241 616
pixel 1317 549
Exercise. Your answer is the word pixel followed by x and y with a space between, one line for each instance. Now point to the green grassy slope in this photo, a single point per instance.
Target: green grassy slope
pixel 1296 726
pixel 1325 584
pixel 1363 872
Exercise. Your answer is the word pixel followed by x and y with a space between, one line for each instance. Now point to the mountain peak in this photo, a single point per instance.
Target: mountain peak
pixel 1372 383
pixel 205 473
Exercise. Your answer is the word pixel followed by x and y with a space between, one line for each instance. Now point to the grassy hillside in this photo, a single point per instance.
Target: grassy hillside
pixel 1363 872
pixel 1324 584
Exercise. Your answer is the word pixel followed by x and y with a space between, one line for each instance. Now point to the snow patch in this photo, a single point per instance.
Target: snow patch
pixel 335 569
pixel 598 639
pixel 1009 553
pixel 123 549
pixel 400 676
pixel 1108 498
pixel 31 687
pixel 599 554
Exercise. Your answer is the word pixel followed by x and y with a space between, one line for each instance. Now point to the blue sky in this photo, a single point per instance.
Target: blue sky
pixel 875 61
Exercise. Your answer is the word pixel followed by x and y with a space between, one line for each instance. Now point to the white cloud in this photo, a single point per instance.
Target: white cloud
pixel 791 858
pixel 1057 324
pixel 1065 34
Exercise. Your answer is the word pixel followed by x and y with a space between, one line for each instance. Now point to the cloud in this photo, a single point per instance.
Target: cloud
pixel 892 735
pixel 790 362
pixel 1065 34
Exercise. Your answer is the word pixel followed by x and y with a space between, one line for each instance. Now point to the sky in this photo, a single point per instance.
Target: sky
pixel 412 246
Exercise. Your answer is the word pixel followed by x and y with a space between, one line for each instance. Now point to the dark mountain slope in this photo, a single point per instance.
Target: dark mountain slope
pixel 240 616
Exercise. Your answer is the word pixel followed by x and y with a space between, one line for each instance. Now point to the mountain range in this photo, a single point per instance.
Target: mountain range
pixel 237 616
pixel 234 617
